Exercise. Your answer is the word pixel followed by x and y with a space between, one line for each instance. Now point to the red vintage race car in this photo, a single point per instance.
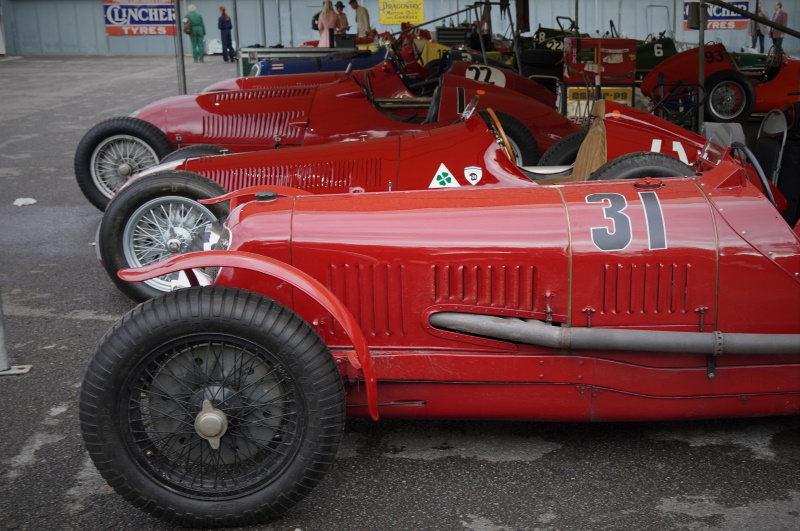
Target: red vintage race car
pixel 420 80
pixel 156 213
pixel 355 107
pixel 731 95
pixel 607 300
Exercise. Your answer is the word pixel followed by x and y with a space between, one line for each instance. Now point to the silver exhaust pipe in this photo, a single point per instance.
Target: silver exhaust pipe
pixel 533 332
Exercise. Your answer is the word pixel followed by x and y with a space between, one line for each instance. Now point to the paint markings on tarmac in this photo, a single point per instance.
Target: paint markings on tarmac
pixel 27 456
pixel 483 446
pixel 699 511
pixel 757 438
pixel 88 483
pixel 12 310
pixel 479 523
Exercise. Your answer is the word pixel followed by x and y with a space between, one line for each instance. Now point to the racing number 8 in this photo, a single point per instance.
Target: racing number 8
pixel 620 237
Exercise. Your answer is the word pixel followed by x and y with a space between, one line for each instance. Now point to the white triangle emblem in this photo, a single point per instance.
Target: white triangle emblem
pixel 444 178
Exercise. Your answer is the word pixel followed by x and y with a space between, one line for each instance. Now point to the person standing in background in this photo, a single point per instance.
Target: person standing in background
pixel 757 30
pixel 344 24
pixel 328 24
pixel 225 26
pixel 198 34
pixel 362 19
pixel 780 17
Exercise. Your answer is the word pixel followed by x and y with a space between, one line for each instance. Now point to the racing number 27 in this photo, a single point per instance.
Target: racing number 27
pixel 621 234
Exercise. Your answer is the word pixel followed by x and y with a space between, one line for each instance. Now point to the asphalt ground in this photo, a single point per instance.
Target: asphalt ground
pixel 740 474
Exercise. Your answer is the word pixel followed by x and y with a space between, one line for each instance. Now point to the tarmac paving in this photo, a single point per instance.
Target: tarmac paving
pixel 739 474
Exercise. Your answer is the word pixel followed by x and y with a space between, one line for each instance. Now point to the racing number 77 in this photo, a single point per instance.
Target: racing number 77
pixel 620 235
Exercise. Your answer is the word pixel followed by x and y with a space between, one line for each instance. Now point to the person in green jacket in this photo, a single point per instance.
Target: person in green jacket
pixel 198 34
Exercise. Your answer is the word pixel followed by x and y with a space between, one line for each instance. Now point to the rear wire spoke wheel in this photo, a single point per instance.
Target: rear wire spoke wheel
pixel 730 97
pixel 212 407
pixel 641 164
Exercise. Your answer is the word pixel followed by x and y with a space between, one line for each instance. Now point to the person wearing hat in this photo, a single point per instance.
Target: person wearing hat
pixel 344 24
pixel 362 18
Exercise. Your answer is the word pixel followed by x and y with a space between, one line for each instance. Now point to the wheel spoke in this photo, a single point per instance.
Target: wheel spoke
pixel 257 400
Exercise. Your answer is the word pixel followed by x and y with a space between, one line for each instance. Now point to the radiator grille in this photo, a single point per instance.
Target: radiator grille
pixel 256 94
pixel 374 295
pixel 499 286
pixel 646 288
pixel 318 177
pixel 252 126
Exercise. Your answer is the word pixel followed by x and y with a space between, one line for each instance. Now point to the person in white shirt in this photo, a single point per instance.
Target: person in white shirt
pixel 362 19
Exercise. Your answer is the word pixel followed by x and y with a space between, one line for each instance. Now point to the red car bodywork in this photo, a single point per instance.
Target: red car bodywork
pixel 474 71
pixel 706 254
pixel 771 94
pixel 410 162
pixel 248 120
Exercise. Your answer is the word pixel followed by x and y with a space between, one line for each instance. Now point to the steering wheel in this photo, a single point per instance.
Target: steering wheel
pixel 773 58
pixel 368 87
pixel 397 58
pixel 744 150
pixel 500 134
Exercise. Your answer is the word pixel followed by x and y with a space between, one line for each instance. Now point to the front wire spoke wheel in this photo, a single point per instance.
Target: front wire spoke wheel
pixel 212 407
pixel 253 394
pixel 116 159
pixel 161 228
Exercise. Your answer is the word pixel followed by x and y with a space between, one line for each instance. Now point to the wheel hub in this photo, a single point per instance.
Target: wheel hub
pixel 125 169
pixel 211 424
pixel 176 239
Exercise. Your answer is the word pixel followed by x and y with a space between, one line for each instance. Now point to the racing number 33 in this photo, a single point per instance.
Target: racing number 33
pixel 620 234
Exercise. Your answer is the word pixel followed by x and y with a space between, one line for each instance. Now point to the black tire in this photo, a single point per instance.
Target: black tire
pixel 198 150
pixel 132 232
pixel 639 165
pixel 256 363
pixel 565 151
pixel 730 97
pixel 523 143
pixel 101 167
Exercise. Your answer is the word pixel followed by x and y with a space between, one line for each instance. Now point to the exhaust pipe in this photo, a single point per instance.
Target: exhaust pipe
pixel 533 332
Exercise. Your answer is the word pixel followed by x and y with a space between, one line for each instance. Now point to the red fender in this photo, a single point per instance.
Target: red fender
pixel 245 195
pixel 361 359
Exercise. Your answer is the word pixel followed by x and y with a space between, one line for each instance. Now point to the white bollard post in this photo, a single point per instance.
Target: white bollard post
pixel 6 369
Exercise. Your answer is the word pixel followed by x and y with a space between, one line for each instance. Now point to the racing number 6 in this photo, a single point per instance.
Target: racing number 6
pixel 621 234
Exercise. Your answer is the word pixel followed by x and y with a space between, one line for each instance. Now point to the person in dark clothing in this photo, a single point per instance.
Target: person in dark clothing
pixel 225 26
pixel 780 17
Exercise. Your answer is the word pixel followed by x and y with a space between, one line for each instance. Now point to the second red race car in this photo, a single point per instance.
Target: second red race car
pixel 157 213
